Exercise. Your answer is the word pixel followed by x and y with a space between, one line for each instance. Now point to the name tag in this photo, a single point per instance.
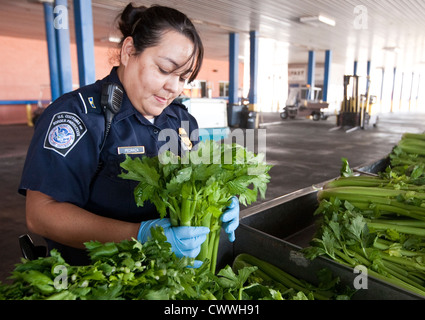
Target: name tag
pixel 131 150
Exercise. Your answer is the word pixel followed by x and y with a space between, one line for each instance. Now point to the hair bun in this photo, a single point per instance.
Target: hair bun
pixel 128 18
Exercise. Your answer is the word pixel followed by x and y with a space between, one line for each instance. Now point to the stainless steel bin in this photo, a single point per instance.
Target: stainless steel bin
pixel 277 230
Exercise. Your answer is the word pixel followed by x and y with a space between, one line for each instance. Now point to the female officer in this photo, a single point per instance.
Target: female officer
pixel 73 194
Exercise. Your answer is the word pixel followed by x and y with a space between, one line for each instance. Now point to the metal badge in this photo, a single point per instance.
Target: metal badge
pixel 185 138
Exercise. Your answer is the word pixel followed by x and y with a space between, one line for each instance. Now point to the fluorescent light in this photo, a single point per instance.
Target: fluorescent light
pixel 392 49
pixel 226 28
pixel 114 39
pixel 280 21
pixel 316 20
pixel 327 20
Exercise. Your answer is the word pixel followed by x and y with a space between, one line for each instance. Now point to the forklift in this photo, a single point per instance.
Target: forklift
pixel 356 109
pixel 304 102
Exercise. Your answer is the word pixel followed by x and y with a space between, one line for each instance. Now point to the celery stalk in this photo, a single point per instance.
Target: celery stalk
pixel 205 222
pixel 403 229
pixel 373 191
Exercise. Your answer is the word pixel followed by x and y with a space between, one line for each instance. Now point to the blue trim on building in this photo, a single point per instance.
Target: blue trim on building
pixel 368 74
pixel 85 41
pixel 61 25
pixel 328 62
pixel 311 70
pixel 233 68
pixel 51 49
pixel 22 102
pixel 253 71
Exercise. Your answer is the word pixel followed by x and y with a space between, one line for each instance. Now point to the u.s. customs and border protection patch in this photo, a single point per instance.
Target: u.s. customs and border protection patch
pixel 64 132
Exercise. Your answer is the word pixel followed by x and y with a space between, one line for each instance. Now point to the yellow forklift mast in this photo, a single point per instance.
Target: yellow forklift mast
pixel 356 108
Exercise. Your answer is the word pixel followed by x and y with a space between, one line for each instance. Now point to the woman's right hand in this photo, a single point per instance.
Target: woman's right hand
pixel 185 241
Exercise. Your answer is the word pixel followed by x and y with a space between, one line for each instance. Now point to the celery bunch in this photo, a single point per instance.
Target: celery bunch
pixel 195 189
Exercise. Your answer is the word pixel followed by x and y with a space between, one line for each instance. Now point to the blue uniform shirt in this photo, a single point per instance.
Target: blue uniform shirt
pixel 64 153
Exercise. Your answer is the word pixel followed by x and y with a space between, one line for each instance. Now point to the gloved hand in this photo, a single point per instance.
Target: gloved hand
pixel 185 241
pixel 230 218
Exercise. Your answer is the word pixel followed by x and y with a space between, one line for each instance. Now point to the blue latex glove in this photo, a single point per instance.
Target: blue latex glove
pixel 185 241
pixel 230 219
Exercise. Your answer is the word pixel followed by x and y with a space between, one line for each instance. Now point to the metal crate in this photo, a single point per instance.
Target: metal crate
pixel 276 231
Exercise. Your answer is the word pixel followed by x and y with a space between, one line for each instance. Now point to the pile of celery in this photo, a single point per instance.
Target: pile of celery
pixel 378 221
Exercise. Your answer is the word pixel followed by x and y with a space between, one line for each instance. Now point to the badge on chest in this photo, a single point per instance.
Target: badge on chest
pixel 185 139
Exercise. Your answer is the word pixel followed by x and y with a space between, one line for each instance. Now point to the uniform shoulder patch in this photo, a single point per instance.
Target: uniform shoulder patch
pixel 64 132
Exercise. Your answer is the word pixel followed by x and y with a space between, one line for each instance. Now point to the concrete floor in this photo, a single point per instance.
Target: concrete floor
pixel 303 152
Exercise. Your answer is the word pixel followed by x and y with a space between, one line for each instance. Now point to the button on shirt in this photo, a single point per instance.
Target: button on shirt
pixel 64 154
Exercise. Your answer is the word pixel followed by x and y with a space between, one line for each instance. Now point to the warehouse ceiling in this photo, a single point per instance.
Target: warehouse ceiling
pixel 387 32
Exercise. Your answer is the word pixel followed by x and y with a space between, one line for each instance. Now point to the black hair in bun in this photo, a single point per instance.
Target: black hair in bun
pixel 147 25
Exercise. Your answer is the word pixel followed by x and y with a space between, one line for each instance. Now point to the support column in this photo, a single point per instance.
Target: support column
pixel 63 45
pixel 418 89
pixel 411 91
pixel 51 49
pixel 233 108
pixel 253 36
pixel 392 91
pixel 401 92
pixel 311 71
pixel 85 41
pixel 368 75
pixel 233 68
pixel 382 85
pixel 328 61
pixel 355 68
